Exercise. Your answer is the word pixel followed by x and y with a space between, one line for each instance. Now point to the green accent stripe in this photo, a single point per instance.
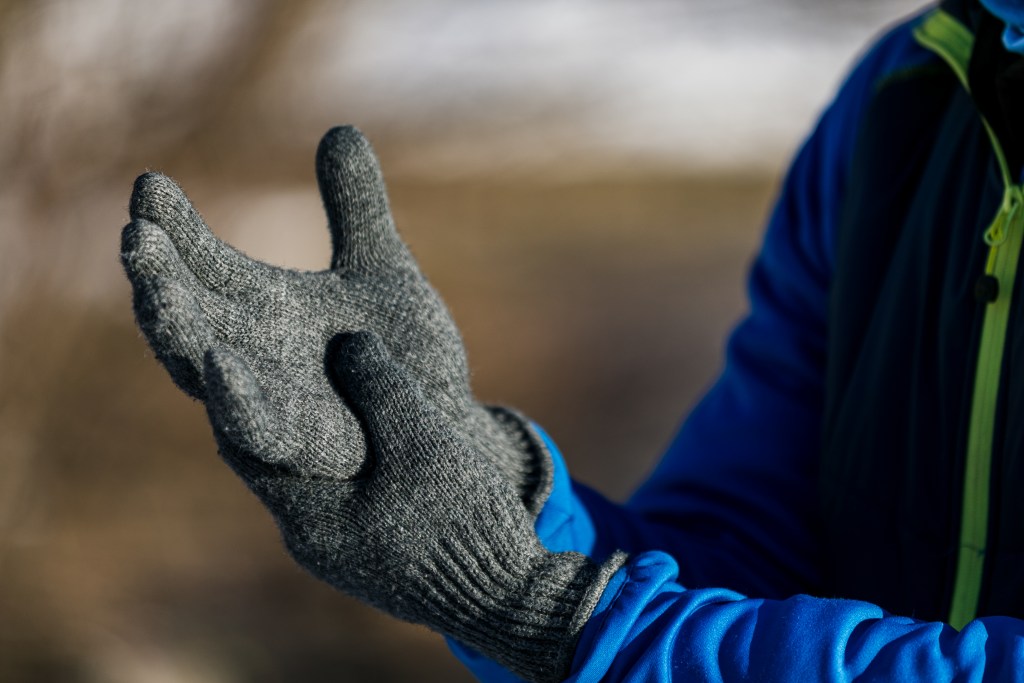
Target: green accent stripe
pixel 941 33
pixel 1006 236
pixel 952 41
pixel 1002 264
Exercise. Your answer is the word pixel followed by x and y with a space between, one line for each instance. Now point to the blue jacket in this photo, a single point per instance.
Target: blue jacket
pixel 805 469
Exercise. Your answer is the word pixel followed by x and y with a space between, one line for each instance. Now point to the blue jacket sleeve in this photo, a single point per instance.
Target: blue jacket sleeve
pixel 647 628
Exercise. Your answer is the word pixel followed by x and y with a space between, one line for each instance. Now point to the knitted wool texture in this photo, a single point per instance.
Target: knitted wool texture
pixel 429 524
pixel 429 531
pixel 193 291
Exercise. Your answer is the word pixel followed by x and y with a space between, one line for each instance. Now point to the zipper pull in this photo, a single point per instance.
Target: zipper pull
pixel 1008 213
pixel 986 287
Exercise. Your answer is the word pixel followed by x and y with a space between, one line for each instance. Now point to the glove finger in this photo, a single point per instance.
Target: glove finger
pixel 219 266
pixel 387 400
pixel 244 424
pixel 173 323
pixel 147 252
pixel 363 234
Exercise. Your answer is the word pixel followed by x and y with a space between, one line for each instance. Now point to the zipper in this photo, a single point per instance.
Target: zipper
pixel 952 41
pixel 1004 238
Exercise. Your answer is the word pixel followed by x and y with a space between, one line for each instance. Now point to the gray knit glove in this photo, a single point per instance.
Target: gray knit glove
pixel 193 292
pixel 428 531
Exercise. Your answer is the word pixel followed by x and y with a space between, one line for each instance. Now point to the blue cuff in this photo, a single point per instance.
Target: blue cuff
pixel 611 626
pixel 564 523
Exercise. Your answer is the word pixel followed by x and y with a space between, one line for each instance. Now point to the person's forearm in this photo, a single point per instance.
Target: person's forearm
pixel 648 627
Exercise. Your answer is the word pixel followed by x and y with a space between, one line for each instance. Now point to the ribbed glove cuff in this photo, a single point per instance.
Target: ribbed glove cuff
pixel 521 457
pixel 528 622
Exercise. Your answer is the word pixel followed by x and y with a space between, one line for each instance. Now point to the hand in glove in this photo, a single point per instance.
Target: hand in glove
pixel 429 531
pixel 193 292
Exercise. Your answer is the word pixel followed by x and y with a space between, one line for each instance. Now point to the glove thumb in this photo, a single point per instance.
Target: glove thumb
pixel 363 234
pixel 387 400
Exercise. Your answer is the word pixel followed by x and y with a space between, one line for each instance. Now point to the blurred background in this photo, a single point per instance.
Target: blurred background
pixel 585 182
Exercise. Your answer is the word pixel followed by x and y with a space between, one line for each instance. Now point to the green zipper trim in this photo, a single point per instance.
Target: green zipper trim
pixel 952 41
pixel 941 33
